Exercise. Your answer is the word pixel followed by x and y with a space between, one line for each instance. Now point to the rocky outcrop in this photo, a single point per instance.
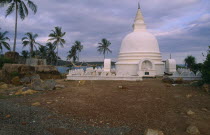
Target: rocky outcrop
pixel 25 72
pixel 14 56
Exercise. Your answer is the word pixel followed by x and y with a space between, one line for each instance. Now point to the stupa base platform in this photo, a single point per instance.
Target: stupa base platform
pixel 116 78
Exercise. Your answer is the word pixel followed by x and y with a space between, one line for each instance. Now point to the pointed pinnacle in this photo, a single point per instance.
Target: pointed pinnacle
pixel 139 6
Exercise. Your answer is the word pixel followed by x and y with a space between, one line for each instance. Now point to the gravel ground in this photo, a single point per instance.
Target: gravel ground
pixel 16 119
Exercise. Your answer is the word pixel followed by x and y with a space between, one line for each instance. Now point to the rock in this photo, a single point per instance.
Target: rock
pixel 34 77
pixel 82 82
pixel 8 116
pixel 122 87
pixel 190 112
pixel 4 86
pixel 36 104
pixel 49 84
pixel 188 95
pixel 153 132
pixel 37 84
pixel 205 109
pixel 59 86
pixel 179 81
pixel 206 87
pixel 27 92
pixel 16 81
pixel 193 130
pixel 168 80
pixel 25 80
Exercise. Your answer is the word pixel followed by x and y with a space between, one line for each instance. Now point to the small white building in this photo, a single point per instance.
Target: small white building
pixel 140 54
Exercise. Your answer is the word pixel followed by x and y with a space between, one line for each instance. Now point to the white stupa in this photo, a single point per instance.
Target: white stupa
pixel 139 54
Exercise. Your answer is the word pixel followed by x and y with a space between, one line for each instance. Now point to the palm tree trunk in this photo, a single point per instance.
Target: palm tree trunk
pixel 16 19
pixel 57 57
pixel 78 56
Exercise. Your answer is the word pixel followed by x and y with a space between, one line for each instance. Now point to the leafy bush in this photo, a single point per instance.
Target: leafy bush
pixel 3 61
pixel 206 70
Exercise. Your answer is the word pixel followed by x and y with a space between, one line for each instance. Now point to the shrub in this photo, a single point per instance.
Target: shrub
pixel 206 70
pixel 3 61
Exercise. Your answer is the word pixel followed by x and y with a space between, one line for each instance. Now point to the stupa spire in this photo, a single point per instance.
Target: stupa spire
pixel 139 20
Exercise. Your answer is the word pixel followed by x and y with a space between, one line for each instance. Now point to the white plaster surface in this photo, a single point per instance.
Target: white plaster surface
pixel 140 46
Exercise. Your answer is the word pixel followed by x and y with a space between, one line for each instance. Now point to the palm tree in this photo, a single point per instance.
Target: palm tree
pixel 42 51
pixel 104 47
pixel 57 37
pixel 72 54
pixel 78 47
pixel 30 40
pixel 25 54
pixel 51 55
pixel 190 61
pixel 3 41
pixel 20 8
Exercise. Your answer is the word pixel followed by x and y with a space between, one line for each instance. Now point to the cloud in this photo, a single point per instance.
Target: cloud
pixel 181 26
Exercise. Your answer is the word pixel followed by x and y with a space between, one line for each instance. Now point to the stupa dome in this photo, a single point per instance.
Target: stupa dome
pixel 139 41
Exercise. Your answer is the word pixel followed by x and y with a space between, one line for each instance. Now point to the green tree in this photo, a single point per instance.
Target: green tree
pixel 103 47
pixel 51 55
pixel 78 47
pixel 190 61
pixel 21 9
pixel 30 40
pixel 206 68
pixel 3 41
pixel 42 52
pixel 72 54
pixel 57 37
pixel 25 54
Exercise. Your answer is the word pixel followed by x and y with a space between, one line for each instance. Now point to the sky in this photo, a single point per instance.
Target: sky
pixel 182 27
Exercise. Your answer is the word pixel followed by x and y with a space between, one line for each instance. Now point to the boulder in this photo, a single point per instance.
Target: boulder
pixel 49 84
pixel 153 132
pixel 29 79
pixel 16 81
pixel 168 80
pixel 37 84
pixel 193 130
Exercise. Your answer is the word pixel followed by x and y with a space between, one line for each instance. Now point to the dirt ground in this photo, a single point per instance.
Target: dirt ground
pixel 104 107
